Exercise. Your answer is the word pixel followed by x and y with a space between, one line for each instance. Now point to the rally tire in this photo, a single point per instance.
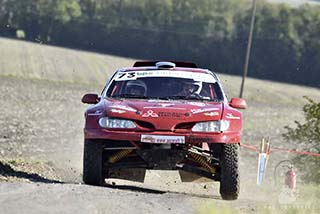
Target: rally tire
pixel 92 163
pixel 230 180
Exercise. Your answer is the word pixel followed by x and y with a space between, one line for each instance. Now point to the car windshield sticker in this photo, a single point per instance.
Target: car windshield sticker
pixel 133 75
pixel 121 76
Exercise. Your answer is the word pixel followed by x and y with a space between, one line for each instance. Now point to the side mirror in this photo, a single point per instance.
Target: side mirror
pixel 90 98
pixel 238 103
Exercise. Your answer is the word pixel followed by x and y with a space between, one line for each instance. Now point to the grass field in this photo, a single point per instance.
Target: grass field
pixel 37 61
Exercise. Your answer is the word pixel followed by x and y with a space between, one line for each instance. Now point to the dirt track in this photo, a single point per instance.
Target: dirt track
pixel 41 161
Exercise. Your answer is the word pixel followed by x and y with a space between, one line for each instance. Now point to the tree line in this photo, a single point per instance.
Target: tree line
pixel 212 33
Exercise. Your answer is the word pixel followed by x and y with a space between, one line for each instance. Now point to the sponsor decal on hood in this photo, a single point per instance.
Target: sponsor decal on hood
pixel 96 113
pixel 211 114
pixel 197 104
pixel 117 111
pixel 230 116
pixel 172 114
pixel 150 113
pixel 123 107
pixel 201 110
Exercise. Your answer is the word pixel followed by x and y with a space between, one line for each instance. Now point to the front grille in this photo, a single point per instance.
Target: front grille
pixel 144 124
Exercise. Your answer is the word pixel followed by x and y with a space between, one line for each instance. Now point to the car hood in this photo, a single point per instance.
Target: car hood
pixel 164 115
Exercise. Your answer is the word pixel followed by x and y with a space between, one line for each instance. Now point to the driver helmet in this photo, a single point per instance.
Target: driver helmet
pixel 136 87
pixel 191 87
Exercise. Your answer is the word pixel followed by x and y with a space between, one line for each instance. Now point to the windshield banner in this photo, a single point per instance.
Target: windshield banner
pixel 196 76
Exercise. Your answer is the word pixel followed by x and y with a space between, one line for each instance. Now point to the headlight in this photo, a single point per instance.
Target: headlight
pixel 107 122
pixel 211 126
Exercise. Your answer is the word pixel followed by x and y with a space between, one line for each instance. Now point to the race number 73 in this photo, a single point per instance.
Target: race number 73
pixel 126 76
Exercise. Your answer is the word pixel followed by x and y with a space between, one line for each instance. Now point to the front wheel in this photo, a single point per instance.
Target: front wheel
pixel 92 163
pixel 230 181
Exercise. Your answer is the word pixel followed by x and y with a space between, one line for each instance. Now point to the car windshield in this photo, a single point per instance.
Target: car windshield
pixel 166 88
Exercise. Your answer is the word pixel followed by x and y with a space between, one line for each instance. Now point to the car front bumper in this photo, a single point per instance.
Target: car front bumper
pixel 191 138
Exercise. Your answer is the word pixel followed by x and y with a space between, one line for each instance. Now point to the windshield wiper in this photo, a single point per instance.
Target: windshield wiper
pixel 136 96
pixel 178 97
pixel 191 97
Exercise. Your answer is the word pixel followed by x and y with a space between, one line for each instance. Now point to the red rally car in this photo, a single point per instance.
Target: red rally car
pixel 167 116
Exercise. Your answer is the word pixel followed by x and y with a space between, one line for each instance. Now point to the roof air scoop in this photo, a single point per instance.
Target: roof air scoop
pixel 165 65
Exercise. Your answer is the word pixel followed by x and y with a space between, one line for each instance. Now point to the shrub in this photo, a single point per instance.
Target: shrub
pixel 307 134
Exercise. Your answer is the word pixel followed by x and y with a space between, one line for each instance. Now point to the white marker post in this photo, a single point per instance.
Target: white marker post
pixel 263 160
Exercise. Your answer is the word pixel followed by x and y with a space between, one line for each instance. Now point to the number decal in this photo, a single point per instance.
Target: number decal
pixel 131 75
pixel 126 76
pixel 121 75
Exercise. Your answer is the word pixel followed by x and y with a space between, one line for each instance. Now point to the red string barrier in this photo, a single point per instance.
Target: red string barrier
pixel 296 152
pixel 253 148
